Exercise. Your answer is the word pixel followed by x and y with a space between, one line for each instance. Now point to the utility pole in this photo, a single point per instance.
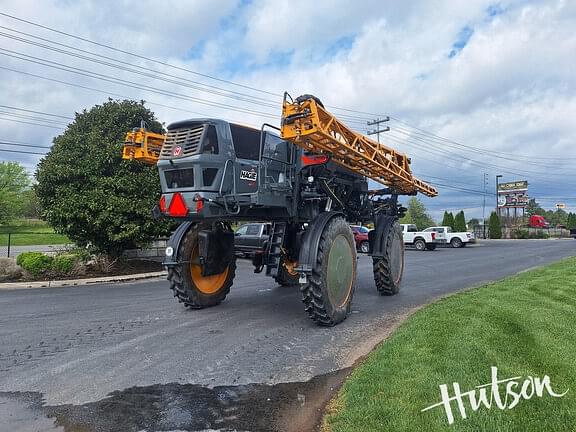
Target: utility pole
pixel 377 124
pixel 484 205
pixel 497 209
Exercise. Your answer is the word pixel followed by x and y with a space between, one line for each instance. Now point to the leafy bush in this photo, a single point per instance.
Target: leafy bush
pixel 540 234
pixel 35 263
pixel 64 264
pixel 520 234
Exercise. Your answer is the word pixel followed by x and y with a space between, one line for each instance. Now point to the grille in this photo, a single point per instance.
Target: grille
pixel 187 139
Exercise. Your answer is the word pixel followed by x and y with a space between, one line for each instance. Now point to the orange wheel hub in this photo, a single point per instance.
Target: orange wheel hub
pixel 206 284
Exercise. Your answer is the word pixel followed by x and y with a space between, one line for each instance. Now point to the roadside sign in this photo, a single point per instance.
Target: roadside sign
pixel 560 206
pixel 513 186
pixel 513 194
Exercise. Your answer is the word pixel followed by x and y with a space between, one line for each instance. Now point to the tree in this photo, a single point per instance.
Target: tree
pixel 460 222
pixel 30 204
pixel 448 219
pixel 89 193
pixel 494 227
pixel 533 208
pixel 14 182
pixel 417 214
pixel 571 221
pixel 406 219
pixel 473 223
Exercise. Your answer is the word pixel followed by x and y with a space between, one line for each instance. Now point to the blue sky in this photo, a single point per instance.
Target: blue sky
pixel 469 85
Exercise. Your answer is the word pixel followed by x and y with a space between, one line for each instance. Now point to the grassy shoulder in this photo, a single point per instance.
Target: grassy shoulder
pixel 27 233
pixel 524 325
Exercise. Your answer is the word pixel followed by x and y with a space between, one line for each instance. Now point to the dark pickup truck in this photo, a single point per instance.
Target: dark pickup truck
pixel 251 239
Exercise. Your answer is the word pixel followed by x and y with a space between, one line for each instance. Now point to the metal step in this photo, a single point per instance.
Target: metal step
pixel 274 250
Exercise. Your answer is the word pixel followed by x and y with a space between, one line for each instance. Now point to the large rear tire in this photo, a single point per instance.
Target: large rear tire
pixel 389 268
pixel 188 284
pixel 327 293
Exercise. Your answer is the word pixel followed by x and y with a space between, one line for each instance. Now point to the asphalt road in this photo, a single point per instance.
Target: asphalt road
pixel 74 346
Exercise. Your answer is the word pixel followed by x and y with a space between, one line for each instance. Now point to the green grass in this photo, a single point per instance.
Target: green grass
pixel 30 232
pixel 524 325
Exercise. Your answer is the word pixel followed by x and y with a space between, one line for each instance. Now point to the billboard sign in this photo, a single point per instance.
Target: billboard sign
pixel 513 194
pixel 513 186
pixel 560 206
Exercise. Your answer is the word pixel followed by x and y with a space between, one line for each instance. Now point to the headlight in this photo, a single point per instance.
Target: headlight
pixel 169 251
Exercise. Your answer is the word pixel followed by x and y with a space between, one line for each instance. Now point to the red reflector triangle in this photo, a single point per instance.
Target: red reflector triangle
pixel 177 206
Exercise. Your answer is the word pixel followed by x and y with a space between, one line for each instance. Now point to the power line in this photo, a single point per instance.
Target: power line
pixel 21 151
pixel 30 123
pixel 21 144
pixel 128 83
pixel 156 72
pixel 36 112
pixel 447 140
pixel 29 117
pixel 139 71
pixel 137 55
pixel 107 93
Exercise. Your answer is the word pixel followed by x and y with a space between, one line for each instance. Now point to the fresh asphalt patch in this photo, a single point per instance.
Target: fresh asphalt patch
pixel 128 357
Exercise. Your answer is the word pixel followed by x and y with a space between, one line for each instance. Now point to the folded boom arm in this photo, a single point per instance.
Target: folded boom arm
pixel 307 124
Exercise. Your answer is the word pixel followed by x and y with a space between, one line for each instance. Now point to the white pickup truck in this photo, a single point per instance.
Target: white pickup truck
pixel 444 235
pixel 421 240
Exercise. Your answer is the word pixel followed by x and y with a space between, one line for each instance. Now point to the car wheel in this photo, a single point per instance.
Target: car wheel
pixel 420 244
pixel 456 242
pixel 364 247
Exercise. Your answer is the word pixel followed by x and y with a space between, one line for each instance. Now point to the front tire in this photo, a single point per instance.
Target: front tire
pixel 186 280
pixel 456 242
pixel 419 244
pixel 389 268
pixel 327 293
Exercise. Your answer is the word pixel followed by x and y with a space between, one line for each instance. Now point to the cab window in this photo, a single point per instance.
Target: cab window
pixel 210 144
pixel 246 141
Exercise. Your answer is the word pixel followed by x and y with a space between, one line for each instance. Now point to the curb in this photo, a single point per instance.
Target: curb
pixel 79 282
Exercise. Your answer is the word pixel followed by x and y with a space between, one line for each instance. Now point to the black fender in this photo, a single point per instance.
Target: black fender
pixel 311 241
pixel 377 237
pixel 174 242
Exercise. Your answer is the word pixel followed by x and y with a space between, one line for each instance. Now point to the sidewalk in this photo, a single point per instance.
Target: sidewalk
pixel 79 282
